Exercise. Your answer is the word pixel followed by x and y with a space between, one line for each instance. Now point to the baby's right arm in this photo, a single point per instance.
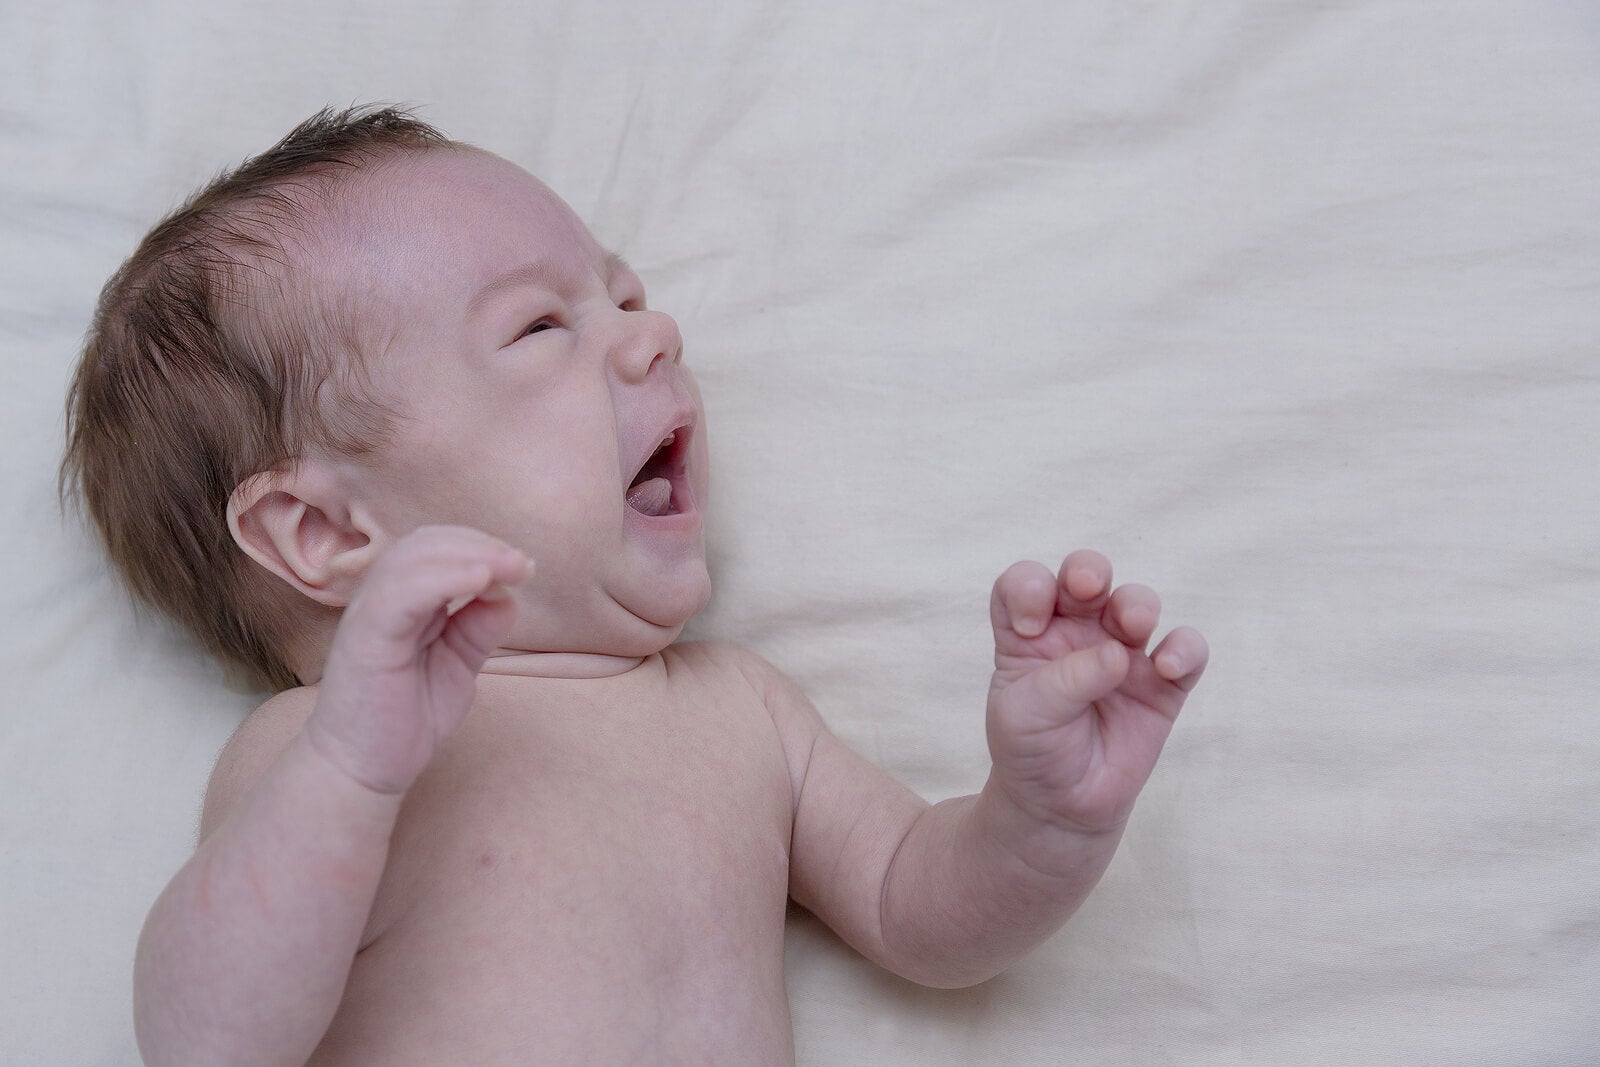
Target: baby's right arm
pixel 244 957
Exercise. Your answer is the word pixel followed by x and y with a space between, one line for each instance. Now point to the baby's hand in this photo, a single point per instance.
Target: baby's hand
pixel 402 671
pixel 1078 711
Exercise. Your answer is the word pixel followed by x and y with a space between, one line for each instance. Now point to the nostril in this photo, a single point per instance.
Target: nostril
pixel 652 337
pixel 664 329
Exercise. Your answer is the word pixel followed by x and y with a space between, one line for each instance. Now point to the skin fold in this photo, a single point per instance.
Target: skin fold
pixel 510 819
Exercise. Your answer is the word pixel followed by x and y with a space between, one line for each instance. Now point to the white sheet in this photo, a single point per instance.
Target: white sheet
pixel 1292 309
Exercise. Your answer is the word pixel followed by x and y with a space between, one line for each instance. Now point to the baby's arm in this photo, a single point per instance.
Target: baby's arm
pixel 951 894
pixel 244 957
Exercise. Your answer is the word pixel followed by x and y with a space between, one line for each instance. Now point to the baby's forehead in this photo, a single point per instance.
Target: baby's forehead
pixel 460 200
pixel 432 225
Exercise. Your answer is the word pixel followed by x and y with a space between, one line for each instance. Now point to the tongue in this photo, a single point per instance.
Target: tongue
pixel 651 497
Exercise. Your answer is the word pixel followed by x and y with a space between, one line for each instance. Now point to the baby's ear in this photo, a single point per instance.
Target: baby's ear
pixel 295 525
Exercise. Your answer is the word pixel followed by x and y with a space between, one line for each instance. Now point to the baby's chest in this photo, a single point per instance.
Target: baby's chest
pixel 582 871
pixel 615 814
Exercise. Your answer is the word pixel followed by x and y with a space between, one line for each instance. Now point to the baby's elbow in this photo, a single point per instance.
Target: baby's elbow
pixel 152 1030
pixel 947 972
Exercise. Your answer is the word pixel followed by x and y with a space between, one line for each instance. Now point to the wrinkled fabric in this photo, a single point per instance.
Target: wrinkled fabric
pixel 1290 309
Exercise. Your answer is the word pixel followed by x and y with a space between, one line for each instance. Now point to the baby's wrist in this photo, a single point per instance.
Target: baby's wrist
pixel 336 766
pixel 1043 841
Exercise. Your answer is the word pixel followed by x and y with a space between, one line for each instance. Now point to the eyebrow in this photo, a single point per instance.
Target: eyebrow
pixel 533 274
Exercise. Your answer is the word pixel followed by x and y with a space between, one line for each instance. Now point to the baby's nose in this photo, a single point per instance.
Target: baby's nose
pixel 651 337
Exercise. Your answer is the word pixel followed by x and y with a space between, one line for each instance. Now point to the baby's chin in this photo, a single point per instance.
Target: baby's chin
pixel 631 627
pixel 657 611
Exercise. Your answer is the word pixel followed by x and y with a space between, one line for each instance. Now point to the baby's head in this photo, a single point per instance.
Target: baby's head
pixel 366 329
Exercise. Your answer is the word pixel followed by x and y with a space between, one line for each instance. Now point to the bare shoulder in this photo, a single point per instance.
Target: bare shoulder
pixel 775 688
pixel 259 740
pixel 795 717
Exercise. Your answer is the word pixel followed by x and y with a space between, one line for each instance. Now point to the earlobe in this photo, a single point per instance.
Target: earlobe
pixel 294 528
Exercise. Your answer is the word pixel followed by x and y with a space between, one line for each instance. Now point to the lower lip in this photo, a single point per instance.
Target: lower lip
pixel 685 517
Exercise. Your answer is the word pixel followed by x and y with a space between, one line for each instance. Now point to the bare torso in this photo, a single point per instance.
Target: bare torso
pixel 590 871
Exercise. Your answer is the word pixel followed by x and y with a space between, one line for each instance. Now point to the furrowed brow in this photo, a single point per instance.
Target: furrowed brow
pixel 527 274
pixel 536 274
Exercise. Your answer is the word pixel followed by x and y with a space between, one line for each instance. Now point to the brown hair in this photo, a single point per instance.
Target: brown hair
pixel 204 364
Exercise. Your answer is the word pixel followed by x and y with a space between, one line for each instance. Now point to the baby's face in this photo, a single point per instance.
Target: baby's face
pixel 539 400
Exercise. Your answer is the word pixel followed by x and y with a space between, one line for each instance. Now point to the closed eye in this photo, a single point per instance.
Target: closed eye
pixel 543 324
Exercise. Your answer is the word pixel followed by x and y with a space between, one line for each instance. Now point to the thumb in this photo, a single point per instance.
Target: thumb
pixel 1078 679
pixel 478 627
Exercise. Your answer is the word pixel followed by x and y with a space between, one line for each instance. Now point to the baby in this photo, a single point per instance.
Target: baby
pixel 378 419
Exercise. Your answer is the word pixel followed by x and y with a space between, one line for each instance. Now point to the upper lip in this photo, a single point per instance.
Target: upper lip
pixel 677 432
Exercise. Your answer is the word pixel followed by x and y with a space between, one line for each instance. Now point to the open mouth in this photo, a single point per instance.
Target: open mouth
pixel 657 489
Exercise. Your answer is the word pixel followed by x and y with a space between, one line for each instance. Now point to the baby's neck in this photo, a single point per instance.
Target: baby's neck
pixel 515 663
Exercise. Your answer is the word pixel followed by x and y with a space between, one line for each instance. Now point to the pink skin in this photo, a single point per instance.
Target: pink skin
pixel 530 412
pixel 504 529
pixel 1078 710
pixel 534 384
pixel 530 385
pixel 1077 714
pixel 402 649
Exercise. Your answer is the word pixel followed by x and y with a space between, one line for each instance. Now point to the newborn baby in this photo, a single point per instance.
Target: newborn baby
pixel 379 419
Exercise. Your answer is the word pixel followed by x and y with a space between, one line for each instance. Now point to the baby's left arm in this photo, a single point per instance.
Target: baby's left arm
pixel 1078 711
